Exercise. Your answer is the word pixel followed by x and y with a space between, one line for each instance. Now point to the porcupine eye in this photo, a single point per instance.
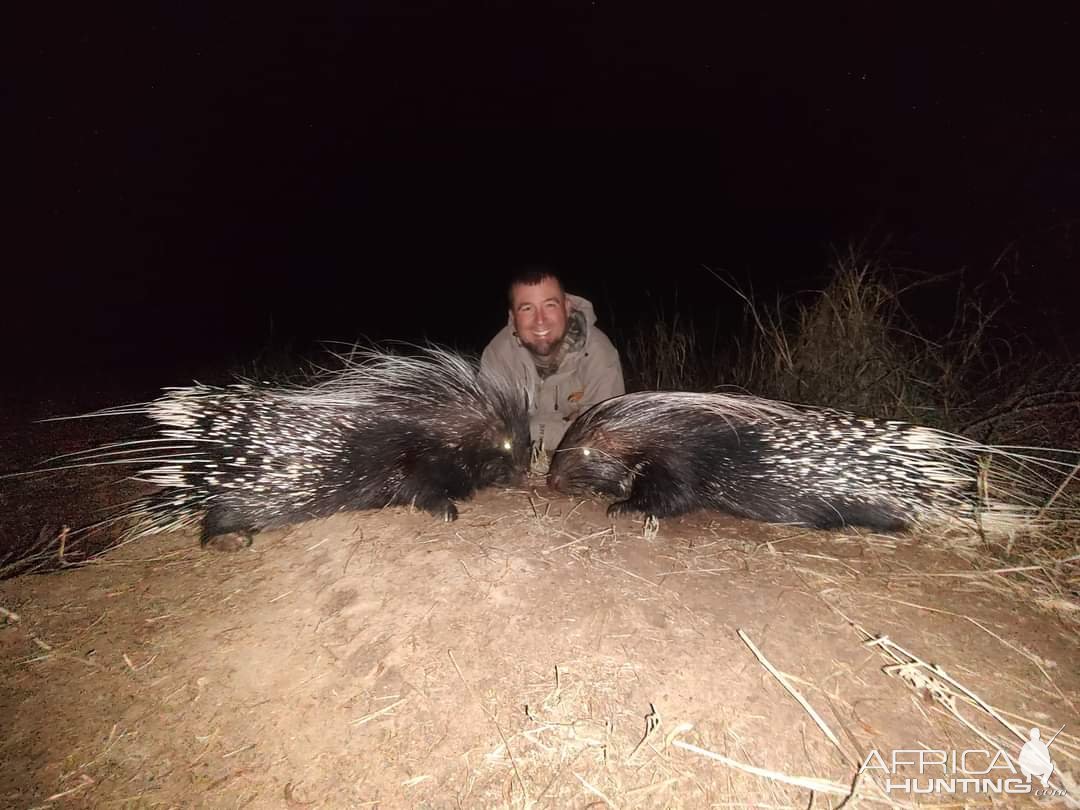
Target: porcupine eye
pixel 507 445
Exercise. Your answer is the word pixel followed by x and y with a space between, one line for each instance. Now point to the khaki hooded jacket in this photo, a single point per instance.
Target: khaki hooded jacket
pixel 590 372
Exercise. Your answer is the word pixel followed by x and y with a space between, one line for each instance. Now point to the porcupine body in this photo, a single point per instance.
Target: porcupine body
pixel 669 453
pixel 424 430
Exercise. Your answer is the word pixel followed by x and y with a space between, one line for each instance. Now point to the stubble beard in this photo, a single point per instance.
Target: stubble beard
pixel 547 356
pixel 543 349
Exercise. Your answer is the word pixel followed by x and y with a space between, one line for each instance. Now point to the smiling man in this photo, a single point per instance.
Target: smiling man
pixel 553 346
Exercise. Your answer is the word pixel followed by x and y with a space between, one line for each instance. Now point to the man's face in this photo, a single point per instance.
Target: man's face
pixel 540 312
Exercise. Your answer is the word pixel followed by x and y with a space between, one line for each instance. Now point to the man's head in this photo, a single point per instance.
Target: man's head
pixel 540 309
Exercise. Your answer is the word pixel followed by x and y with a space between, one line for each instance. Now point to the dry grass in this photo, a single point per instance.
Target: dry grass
pixel 853 346
pixel 858 345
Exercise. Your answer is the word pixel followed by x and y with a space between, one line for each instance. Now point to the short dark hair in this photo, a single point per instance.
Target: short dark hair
pixel 529 275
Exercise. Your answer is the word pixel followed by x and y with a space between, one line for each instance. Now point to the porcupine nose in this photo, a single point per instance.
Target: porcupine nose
pixel 554 481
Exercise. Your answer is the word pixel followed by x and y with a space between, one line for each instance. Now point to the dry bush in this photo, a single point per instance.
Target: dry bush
pixel 668 354
pixel 855 345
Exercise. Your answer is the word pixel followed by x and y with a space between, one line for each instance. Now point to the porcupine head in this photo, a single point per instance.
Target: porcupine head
pixel 500 454
pixel 592 459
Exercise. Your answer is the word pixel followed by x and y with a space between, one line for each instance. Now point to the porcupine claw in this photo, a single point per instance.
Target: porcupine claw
pixel 652 523
pixel 229 542
pixel 437 506
pixel 651 527
pixel 620 508
pixel 446 511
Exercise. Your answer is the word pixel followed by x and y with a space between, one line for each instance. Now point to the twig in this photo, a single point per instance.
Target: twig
pixel 1034 661
pixel 795 694
pixel 595 791
pixel 85 781
pixel 652 722
pixel 1013 570
pixel 380 712
pixel 808 782
pixel 495 722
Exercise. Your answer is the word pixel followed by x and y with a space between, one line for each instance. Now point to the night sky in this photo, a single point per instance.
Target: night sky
pixel 190 185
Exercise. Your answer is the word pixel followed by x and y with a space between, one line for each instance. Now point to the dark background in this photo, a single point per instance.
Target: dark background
pixel 192 187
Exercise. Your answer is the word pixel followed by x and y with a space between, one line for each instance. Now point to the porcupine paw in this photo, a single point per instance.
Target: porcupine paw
pixel 229 542
pixel 652 523
pixel 621 508
pixel 651 527
pixel 444 510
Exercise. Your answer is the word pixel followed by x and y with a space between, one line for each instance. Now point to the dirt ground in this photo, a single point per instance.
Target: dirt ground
pixel 531 654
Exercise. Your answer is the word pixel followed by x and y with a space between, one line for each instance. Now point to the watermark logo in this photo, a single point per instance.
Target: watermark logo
pixel 969 771
pixel 1035 757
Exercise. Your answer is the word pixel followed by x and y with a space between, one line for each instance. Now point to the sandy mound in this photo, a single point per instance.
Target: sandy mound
pixel 530 654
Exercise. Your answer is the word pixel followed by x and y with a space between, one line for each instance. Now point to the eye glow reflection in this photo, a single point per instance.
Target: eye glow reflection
pixel 586 451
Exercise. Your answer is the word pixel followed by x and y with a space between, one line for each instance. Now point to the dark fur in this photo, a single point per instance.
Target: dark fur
pixel 688 459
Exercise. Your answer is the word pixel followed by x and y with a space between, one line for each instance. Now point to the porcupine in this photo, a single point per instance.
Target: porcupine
pixel 665 454
pixel 387 429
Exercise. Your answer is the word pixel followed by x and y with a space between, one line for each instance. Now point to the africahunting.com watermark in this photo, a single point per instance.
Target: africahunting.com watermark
pixel 968 771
